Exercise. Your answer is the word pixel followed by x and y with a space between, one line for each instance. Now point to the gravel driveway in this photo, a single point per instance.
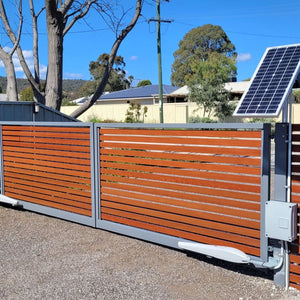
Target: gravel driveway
pixel 47 258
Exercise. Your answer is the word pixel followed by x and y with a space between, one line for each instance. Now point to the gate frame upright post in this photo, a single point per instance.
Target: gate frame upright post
pixel 280 189
pixel 265 187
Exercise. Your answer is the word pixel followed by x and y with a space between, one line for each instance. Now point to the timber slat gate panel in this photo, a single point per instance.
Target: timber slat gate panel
pixel 199 185
pixel 49 166
pixel 295 198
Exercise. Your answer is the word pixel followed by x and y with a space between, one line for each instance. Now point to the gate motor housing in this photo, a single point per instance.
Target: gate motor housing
pixel 281 220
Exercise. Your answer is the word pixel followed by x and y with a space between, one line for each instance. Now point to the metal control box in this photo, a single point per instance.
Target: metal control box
pixel 281 220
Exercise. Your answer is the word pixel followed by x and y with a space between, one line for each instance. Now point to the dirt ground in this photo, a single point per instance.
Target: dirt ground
pixel 47 258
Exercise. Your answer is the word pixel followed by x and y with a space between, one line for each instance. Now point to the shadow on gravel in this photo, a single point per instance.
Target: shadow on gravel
pixel 246 269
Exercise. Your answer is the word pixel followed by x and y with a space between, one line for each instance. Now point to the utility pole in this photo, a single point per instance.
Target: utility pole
pixel 160 84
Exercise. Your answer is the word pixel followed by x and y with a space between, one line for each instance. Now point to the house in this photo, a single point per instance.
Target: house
pixel 236 88
pixel 145 95
pixel 113 106
pixel 177 109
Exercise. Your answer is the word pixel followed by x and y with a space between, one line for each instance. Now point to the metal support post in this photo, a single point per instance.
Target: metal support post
pixel 265 188
pixel 280 186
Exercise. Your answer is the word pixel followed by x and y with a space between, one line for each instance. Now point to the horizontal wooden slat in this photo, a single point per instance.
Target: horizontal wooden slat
pixel 48 134
pixel 189 220
pixel 189 132
pixel 182 164
pixel 54 181
pixel 295 148
pixel 255 179
pixel 49 185
pixel 163 207
pixel 72 147
pixel 48 152
pixel 296 178
pixel 295 198
pixel 248 161
pixel 295 269
pixel 182 234
pixel 42 128
pixel 184 140
pixel 184 148
pixel 296 137
pixel 63 179
pixel 295 259
pixel 182 185
pixel 296 168
pixel 183 178
pixel 48 158
pixel 295 188
pixel 54 164
pixel 295 278
pixel 200 205
pixel 296 127
pixel 42 201
pixel 20 194
pixel 296 158
pixel 44 140
pixel 201 193
pixel 114 209
pixel 48 169
pixel 227 202
pixel 49 194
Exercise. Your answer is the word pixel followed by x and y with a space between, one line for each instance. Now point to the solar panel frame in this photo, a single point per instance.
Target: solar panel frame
pixel 271 83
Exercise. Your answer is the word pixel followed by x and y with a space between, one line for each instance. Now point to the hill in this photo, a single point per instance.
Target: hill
pixel 70 86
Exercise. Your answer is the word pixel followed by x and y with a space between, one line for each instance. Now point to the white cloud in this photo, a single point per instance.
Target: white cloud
pixel 134 57
pixel 73 76
pixel 244 57
pixel 28 55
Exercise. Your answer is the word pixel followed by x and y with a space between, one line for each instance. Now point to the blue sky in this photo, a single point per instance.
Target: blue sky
pixel 251 25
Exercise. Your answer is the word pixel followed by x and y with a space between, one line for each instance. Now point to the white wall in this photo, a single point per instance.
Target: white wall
pixel 173 112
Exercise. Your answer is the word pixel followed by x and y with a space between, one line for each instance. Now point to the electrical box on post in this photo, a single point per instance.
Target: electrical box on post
pixel 281 220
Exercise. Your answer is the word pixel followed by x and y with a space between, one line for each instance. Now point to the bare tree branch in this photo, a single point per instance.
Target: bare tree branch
pixel 15 40
pixel 79 16
pixel 65 7
pixel 35 42
pixel 111 59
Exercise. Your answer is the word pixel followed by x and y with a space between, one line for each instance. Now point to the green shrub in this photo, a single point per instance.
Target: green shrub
pixel 197 119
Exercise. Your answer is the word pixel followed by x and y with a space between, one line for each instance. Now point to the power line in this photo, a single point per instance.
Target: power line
pixel 247 33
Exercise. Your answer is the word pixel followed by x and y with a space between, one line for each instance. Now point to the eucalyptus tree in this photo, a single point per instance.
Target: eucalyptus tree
pixel 195 47
pixel 6 53
pixel 60 17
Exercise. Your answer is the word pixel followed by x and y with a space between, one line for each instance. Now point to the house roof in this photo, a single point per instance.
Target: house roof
pixel 234 87
pixel 140 92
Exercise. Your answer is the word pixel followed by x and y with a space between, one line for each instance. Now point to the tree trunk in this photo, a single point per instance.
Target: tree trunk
pixel 11 87
pixel 53 92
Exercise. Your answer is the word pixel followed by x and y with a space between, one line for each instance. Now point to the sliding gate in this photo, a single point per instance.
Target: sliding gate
pixel 202 183
pixel 175 185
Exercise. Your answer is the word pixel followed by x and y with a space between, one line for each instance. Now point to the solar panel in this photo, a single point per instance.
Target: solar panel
pixel 271 83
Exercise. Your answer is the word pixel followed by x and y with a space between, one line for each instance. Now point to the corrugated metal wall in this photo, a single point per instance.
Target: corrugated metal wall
pixel 29 111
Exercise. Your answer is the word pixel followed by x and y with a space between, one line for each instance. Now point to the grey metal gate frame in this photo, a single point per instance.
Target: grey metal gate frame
pixel 172 241
pixel 86 220
pixel 267 258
